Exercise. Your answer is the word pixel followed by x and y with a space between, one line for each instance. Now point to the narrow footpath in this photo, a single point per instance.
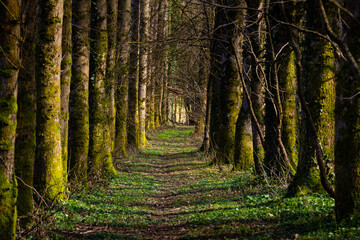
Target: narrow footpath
pixel 169 191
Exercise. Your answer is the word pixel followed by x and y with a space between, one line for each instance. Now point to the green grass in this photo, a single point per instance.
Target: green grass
pixel 170 191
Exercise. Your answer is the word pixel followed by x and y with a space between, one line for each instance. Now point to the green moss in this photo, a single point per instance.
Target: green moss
pixel 142 123
pixel 68 62
pixel 8 106
pixel 78 130
pixel 290 125
pixel 25 146
pixel 245 157
pixel 48 170
pixel 8 214
pixel 326 122
pixel 243 154
pixel 121 117
pixel 319 93
pixel 100 137
pixel 7 71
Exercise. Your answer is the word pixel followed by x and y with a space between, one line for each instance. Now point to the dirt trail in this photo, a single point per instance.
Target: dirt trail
pixel 169 167
pixel 168 191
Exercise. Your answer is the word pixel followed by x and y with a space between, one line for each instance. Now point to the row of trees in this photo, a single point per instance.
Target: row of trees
pixel 272 86
pixel 78 91
pixel 283 94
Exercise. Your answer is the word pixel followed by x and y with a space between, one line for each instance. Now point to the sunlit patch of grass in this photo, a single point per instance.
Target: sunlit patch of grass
pixel 121 203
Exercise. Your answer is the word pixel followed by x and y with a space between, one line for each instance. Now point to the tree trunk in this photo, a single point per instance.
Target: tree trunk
pixel 9 69
pixel 150 114
pixel 206 140
pixel 100 161
pixel 122 78
pixel 226 100
pixel 347 135
pixel 143 76
pixel 151 109
pixel 200 95
pixel 25 143
pixel 279 143
pixel 66 64
pixel 79 105
pixel 319 93
pixel 256 44
pixel 289 126
pixel 133 113
pixel 48 168
pixel 112 17
pixel 243 153
pixel 165 72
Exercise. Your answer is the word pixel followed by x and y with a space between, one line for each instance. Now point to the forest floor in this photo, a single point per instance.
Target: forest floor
pixel 169 191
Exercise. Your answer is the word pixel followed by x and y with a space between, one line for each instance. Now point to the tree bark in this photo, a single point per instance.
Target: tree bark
pixel 25 143
pixel 256 52
pixel 79 93
pixel 100 160
pixel 66 65
pixel 243 153
pixel 48 168
pixel 121 94
pixel 319 93
pixel 279 143
pixel 143 76
pixel 226 82
pixel 133 113
pixel 112 18
pixel 9 69
pixel 347 134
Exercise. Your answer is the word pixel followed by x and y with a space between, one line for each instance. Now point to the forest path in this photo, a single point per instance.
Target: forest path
pixel 169 191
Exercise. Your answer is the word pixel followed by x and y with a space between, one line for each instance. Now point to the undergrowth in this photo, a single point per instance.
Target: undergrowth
pixel 170 191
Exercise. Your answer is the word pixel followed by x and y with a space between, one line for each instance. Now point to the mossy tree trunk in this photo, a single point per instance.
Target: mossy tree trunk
pixel 174 108
pixel 150 104
pixel 289 106
pixel 9 70
pixel 121 92
pixel 243 150
pixel 256 46
pixel 243 153
pixel 66 64
pixel 279 137
pixel 79 93
pixel 144 61
pixel 319 93
pixel 48 168
pixel 347 134
pixel 158 93
pixel 180 108
pixel 226 101
pixel 160 63
pixel 159 98
pixel 25 143
pixel 165 92
pixel 150 94
pixel 100 160
pixel 112 10
pixel 151 118
pixel 133 113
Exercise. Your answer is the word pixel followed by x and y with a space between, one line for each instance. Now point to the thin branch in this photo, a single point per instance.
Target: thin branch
pixel 342 45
